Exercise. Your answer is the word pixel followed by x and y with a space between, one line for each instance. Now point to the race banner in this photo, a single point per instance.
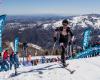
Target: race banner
pixel 86 38
pixel 2 22
pixel 16 43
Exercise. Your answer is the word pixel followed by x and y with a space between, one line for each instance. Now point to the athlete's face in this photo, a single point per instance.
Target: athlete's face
pixel 64 24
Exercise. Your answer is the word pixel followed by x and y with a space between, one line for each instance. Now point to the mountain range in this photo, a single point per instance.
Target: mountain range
pixel 39 29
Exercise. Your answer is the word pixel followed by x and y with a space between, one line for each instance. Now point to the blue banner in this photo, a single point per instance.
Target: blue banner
pixel 2 21
pixel 86 38
pixel 89 52
pixel 16 43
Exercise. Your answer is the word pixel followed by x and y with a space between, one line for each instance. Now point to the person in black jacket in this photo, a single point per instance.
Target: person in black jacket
pixel 11 60
pixel 65 38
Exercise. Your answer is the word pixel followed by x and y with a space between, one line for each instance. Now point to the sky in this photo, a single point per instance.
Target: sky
pixel 62 7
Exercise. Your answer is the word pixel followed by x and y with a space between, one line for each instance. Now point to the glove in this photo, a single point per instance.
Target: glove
pixel 54 39
pixel 69 43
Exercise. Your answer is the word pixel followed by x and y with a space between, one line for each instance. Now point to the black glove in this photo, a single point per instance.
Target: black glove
pixel 69 43
pixel 54 38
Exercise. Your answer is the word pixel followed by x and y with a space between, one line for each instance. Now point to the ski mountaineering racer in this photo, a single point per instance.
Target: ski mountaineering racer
pixel 65 38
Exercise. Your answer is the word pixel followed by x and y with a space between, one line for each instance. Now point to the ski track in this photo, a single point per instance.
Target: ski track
pixel 86 69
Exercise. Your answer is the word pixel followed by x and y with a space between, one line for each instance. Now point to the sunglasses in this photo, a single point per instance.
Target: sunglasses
pixel 64 24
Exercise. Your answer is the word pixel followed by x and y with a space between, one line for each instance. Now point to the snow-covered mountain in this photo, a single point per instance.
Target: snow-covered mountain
pixel 81 21
pixel 40 32
pixel 85 69
pixel 92 20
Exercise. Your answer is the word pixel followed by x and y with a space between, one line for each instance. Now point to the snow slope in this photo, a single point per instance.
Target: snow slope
pixel 86 69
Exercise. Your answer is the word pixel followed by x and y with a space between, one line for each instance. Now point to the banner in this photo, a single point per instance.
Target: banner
pixel 86 38
pixel 16 43
pixel 2 21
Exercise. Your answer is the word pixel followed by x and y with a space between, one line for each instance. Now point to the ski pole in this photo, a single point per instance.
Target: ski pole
pixel 53 47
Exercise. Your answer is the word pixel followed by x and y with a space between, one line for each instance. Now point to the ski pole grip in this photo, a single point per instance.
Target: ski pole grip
pixel 54 38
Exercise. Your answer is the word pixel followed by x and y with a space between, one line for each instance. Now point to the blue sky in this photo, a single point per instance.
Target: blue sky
pixel 63 7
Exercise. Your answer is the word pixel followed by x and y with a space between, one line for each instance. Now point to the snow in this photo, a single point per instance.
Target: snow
pixel 96 18
pixel 99 36
pixel 57 24
pixel 22 29
pixel 86 69
pixel 77 19
pixel 88 22
pixel 82 21
pixel 46 25
pixel 53 25
pixel 97 24
pixel 25 28
pixel 34 46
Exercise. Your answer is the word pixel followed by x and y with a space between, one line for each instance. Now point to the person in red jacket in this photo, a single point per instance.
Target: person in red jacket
pixel 5 55
pixel 6 59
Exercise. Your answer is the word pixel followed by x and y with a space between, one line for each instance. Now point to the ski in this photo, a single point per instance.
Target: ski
pixel 69 70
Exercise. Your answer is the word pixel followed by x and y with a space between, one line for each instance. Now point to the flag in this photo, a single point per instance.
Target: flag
pixel 16 43
pixel 2 22
pixel 86 38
